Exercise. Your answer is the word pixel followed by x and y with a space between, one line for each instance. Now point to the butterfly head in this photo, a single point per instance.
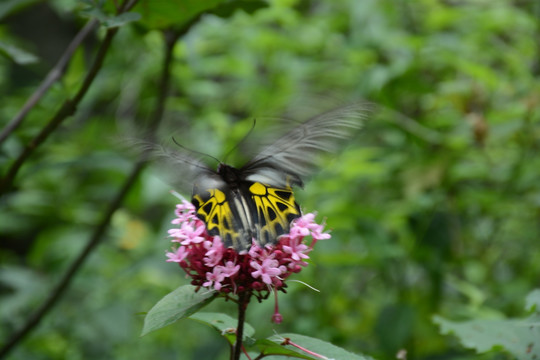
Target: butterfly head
pixel 229 174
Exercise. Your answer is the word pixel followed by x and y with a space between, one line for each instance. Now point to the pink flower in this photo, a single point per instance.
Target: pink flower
pixel 318 234
pixel 215 278
pixel 296 249
pixel 277 318
pixel 302 226
pixel 177 255
pixel 215 251
pixel 188 234
pixel 306 225
pixel 184 212
pixel 254 250
pixel 230 269
pixel 185 207
pixel 267 270
pixel 257 270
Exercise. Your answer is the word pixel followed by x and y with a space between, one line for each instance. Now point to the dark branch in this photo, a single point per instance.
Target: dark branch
pixel 243 301
pixel 54 75
pixel 94 240
pixel 67 109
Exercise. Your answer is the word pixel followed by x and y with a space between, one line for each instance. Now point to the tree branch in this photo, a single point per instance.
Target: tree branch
pixel 97 236
pixel 94 240
pixel 67 109
pixel 54 75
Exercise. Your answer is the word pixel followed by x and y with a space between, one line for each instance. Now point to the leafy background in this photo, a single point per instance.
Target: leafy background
pixel 434 207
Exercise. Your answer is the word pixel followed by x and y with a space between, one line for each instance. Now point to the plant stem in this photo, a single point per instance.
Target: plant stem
pixel 243 300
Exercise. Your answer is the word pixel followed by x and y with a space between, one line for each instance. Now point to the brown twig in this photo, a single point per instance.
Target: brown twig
pixel 54 75
pixel 67 109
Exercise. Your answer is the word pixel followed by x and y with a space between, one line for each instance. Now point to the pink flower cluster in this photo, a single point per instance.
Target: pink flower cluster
pixel 211 265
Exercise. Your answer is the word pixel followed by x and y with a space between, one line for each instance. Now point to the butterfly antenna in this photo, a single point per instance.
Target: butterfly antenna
pixel 241 141
pixel 195 151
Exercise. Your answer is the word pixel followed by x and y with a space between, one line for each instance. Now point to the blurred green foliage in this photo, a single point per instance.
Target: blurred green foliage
pixel 521 337
pixel 434 208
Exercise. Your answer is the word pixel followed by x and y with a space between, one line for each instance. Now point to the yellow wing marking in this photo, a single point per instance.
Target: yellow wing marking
pixel 276 208
pixel 216 213
pixel 267 216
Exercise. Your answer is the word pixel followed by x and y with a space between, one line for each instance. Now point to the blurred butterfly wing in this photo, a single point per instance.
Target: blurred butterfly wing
pixel 177 166
pixel 293 156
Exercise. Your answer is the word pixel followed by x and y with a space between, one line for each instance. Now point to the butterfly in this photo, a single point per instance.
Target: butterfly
pixel 255 202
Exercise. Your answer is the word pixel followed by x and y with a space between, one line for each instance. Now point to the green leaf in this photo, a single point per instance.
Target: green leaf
pixel 269 347
pixel 161 14
pixel 176 305
pixel 317 346
pixel 16 54
pixel 122 19
pixel 225 324
pixel 520 337
pixel 532 301
pixel 228 9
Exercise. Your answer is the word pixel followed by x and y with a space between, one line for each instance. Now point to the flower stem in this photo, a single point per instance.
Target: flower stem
pixel 243 300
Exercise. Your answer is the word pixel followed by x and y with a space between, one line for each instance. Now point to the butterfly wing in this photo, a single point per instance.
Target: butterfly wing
pixel 222 208
pixel 215 205
pixel 238 212
pixel 178 166
pixel 242 213
pixel 275 208
pixel 290 158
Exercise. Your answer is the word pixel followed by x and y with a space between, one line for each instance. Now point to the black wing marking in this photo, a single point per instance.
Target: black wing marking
pixel 275 208
pixel 253 212
pixel 214 208
pixel 227 212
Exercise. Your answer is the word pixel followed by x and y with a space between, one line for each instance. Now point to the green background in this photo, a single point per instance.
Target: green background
pixel 434 207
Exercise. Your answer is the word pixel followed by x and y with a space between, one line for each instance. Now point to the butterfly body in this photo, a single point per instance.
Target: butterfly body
pixel 242 211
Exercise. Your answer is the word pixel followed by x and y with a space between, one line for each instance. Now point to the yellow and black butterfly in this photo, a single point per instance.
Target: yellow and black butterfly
pixel 256 202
